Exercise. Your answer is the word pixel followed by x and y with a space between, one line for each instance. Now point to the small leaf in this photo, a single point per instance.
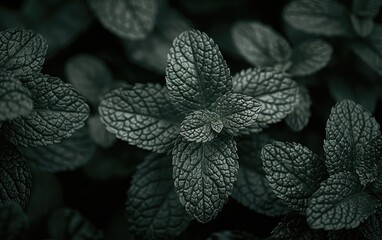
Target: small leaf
pixel 326 17
pixel 236 111
pixel 371 229
pixel 362 26
pixel 293 171
pixel 299 118
pixel 275 91
pixel 22 51
pixel 366 8
pixel 340 203
pixel 71 153
pixel 197 126
pixel 142 115
pixel 153 207
pixel 67 223
pixel 58 112
pixel 232 235
pixel 260 45
pixel 204 174
pixel 13 221
pixel 99 134
pixel 309 57
pixel 131 19
pixel 15 176
pixel 196 74
pixel 89 75
pixel 15 99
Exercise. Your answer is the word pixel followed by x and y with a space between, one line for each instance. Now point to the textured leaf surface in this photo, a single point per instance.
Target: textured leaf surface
pixel 309 57
pixel 69 154
pixel 67 223
pixel 293 171
pixel 340 203
pixel 259 44
pixel 21 51
pixel 58 112
pixel 371 229
pixel 89 75
pixel 196 74
pixel 153 207
pixel 15 176
pixel 326 17
pixel 15 99
pixel 197 126
pixel 299 118
pixel 131 19
pixel 236 111
pixel 99 134
pixel 204 174
pixel 13 221
pixel 349 127
pixel 276 92
pixel 252 187
pixel 142 115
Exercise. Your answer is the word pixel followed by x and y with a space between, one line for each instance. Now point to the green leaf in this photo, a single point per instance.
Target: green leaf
pixel 131 19
pixel 13 221
pixel 15 176
pixel 99 134
pixel 366 8
pixel 142 115
pixel 58 112
pixel 232 235
pixel 22 51
pixel 371 229
pixel 349 127
pixel 260 45
pixel 197 126
pixel 362 26
pixel 326 17
pixel 309 57
pixel 299 118
pixel 204 174
pixel 340 203
pixel 15 100
pixel 66 223
pixel 71 153
pixel 89 75
pixel 252 187
pixel 275 91
pixel 196 74
pixel 293 171
pixel 153 207
pixel 236 111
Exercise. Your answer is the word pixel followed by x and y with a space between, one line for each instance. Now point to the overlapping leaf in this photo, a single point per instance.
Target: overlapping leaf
pixel 299 118
pixel 197 126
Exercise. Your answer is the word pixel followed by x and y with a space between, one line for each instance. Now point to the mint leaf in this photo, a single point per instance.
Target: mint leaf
pixel 232 235
pixel 196 74
pixel 260 45
pixel 366 8
pixel 67 223
pixel 342 196
pixel 15 100
pixel 204 174
pixel 153 206
pixel 236 111
pixel 309 57
pixel 197 126
pixel 15 176
pixel 299 118
pixel 21 51
pixel 142 115
pixel 371 229
pixel 99 134
pixel 131 19
pixel 13 221
pixel 326 17
pixel 275 91
pixel 58 112
pixel 89 75
pixel 362 26
pixel 293 171
pixel 69 154
pixel 349 127
pixel 252 187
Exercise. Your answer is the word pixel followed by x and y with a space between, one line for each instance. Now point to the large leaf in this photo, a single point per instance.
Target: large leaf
pixel 58 112
pixel 142 115
pixel 299 118
pixel 293 171
pixel 13 221
pixel 204 174
pixel 153 207
pixel 196 73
